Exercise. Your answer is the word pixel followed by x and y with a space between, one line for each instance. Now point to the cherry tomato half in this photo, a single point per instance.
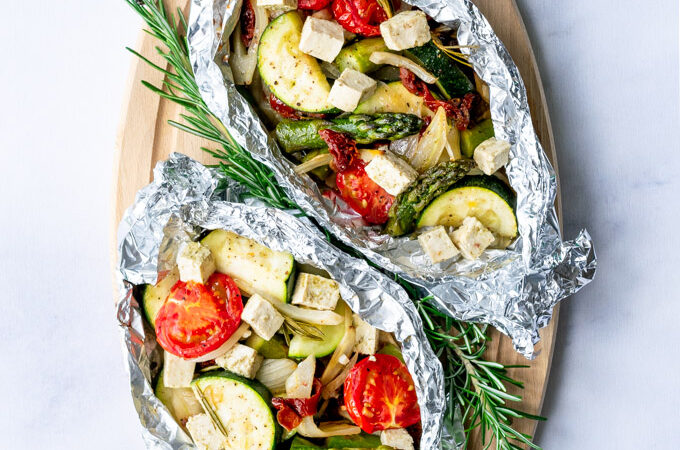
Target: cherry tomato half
pixel 363 195
pixel 359 16
pixel 380 394
pixel 313 4
pixel 198 318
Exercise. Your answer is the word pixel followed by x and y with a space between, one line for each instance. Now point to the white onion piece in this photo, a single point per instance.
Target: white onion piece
pixel 273 374
pixel 229 343
pixel 307 315
pixel 345 347
pixel 243 61
pixel 308 428
pixel 318 161
pixel 301 382
pixel 432 143
pixel 332 389
pixel 393 59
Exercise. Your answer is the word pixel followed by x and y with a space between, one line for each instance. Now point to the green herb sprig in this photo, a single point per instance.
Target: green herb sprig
pixel 475 385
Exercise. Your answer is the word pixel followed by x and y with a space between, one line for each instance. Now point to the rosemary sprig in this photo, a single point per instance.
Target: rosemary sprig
pixel 303 329
pixel 180 87
pixel 472 383
pixel 210 410
pixel 452 51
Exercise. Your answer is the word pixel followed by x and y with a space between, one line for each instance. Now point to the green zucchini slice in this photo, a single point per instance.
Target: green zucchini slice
pixel 255 268
pixel 451 80
pixel 243 407
pixel 302 347
pixel 485 197
pixel 154 296
pixel 294 77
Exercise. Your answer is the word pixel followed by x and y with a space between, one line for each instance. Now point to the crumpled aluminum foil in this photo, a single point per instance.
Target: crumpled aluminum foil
pixel 514 290
pixel 180 202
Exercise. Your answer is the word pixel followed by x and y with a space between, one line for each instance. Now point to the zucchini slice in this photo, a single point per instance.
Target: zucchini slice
pixel 472 137
pixel 255 268
pixel 485 197
pixel 294 77
pixel 181 402
pixel 243 407
pixel 302 347
pixel 356 56
pixel 154 296
pixel 451 80
pixel 394 98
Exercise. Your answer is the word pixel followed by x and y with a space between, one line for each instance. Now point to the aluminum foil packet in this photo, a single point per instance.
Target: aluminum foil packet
pixel 181 202
pixel 514 290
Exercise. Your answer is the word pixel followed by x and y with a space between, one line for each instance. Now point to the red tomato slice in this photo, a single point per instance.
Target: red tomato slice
pixel 359 16
pixel 363 195
pixel 380 394
pixel 198 318
pixel 313 4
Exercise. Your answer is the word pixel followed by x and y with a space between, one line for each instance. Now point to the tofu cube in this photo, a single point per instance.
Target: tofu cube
pixel 472 238
pixel 367 337
pixel 262 317
pixel 438 245
pixel 177 372
pixel 316 292
pixel 242 360
pixel 390 172
pixel 397 438
pixel 204 433
pixel 195 263
pixel 279 5
pixel 407 29
pixel 491 155
pixel 322 39
pixel 350 89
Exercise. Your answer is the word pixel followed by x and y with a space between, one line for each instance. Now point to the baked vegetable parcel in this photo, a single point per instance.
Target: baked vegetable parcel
pixel 245 371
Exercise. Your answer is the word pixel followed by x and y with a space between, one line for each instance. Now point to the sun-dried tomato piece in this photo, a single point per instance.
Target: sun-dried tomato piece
pixel 342 148
pixel 291 411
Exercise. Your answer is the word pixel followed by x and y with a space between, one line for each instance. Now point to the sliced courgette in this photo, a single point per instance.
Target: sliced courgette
pixel 363 440
pixel 275 348
pixel 302 347
pixel 255 268
pixel 356 56
pixel 393 97
pixel 472 137
pixel 485 197
pixel 243 407
pixel 181 402
pixel 294 77
pixel 451 80
pixel 154 296
pixel 392 350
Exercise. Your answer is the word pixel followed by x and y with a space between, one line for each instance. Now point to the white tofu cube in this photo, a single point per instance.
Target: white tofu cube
pixel 195 262
pixel 472 238
pixel 322 39
pixel 316 292
pixel 279 5
pixel 350 89
pixel 397 438
pixel 204 433
pixel 407 29
pixel 390 172
pixel 438 244
pixel 367 337
pixel 177 372
pixel 242 360
pixel 491 155
pixel 262 317
pixel 299 384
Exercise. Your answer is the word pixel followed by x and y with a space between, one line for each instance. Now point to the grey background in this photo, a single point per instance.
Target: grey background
pixel 611 76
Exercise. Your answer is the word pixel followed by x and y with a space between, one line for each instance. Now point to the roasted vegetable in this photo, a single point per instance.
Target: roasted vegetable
pixel 356 56
pixel 473 136
pixel 408 206
pixel 294 135
pixel 451 80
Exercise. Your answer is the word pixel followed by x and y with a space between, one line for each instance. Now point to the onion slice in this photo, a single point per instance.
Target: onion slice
pixel 345 347
pixel 332 388
pixel 307 315
pixel 273 373
pixel 393 59
pixel 243 61
pixel 229 343
pixel 327 429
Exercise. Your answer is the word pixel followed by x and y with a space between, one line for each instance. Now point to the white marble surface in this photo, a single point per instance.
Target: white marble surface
pixel 611 75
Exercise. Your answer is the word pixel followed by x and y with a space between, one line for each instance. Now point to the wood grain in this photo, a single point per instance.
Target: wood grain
pixel 145 138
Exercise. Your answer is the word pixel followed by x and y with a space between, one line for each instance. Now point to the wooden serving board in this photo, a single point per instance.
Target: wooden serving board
pixel 145 138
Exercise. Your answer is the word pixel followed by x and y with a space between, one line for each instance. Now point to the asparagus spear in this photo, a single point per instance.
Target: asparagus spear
pixel 294 135
pixel 409 204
